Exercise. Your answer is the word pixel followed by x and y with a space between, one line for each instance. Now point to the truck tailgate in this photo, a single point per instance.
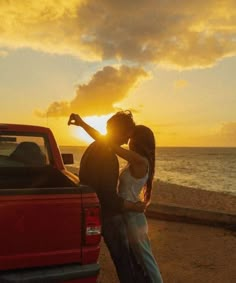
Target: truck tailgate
pixel 40 227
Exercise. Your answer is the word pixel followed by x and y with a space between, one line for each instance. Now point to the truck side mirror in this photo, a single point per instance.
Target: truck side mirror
pixel 67 158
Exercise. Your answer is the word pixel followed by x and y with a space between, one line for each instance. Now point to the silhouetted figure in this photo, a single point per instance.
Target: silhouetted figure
pixel 29 153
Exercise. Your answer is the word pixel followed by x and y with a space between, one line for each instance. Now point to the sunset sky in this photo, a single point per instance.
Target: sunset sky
pixel 173 63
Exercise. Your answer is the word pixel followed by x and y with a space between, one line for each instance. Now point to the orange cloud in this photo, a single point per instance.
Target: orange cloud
pixel 181 33
pixel 98 96
pixel 223 135
pixel 228 130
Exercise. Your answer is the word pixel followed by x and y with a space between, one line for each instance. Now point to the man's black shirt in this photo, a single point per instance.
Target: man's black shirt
pixel 99 168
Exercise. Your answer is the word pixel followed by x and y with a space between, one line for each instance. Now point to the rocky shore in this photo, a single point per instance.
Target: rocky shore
pixel 179 203
pixel 177 195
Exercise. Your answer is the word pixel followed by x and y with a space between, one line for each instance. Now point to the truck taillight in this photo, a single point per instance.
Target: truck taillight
pixel 92 226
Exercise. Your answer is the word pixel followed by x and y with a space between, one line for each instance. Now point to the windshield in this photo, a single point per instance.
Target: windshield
pixel 23 150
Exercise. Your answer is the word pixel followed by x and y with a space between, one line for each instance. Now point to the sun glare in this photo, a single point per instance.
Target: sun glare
pixel 98 122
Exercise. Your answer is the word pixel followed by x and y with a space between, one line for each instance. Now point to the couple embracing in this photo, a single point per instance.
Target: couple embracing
pixel 124 225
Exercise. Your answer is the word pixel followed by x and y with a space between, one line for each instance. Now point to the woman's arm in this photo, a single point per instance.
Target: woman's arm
pixel 131 156
pixel 76 120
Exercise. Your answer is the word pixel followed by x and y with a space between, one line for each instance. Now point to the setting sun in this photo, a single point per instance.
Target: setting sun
pixel 98 122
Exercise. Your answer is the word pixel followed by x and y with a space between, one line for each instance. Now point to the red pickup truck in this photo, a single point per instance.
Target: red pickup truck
pixel 50 227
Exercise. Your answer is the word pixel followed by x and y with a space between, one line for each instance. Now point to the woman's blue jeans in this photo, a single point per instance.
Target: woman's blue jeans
pixel 115 236
pixel 137 229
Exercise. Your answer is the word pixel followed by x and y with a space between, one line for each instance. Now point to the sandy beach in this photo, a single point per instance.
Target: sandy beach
pixel 186 253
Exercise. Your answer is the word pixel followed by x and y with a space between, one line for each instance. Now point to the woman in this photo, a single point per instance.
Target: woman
pixel 134 180
pixel 135 183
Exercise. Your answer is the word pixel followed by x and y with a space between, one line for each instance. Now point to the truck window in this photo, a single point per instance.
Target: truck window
pixel 23 150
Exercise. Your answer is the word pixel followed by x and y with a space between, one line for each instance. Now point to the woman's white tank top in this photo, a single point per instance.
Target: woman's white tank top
pixel 129 187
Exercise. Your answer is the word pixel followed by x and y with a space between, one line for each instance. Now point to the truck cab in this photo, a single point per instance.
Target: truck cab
pixel 50 223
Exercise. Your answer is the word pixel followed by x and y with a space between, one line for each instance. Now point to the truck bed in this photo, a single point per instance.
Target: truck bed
pixel 33 177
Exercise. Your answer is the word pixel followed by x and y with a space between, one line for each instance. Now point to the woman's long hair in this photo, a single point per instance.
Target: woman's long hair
pixel 144 143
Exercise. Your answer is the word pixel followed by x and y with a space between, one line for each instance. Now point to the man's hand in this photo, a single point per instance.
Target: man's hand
pixel 75 119
pixel 135 206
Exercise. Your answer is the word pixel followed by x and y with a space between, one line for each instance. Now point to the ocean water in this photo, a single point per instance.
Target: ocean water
pixel 212 169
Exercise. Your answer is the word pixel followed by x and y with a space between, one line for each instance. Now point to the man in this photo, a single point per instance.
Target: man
pixel 99 168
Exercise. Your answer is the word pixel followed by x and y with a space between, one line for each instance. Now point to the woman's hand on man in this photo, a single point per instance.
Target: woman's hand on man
pixel 135 206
